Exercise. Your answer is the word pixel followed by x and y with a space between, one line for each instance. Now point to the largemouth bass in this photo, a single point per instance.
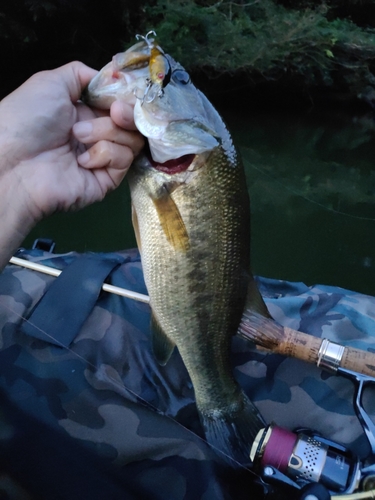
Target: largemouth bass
pixel 192 223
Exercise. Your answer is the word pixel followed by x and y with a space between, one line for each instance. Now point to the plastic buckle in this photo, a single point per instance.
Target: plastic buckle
pixel 44 244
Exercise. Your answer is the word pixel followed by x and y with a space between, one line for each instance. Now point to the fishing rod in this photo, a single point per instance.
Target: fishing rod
pixel 264 332
pixel 267 333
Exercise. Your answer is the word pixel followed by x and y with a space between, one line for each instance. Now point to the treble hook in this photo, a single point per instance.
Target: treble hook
pixel 151 92
pixel 145 38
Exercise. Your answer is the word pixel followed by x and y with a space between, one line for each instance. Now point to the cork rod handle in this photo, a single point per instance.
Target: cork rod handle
pixel 265 332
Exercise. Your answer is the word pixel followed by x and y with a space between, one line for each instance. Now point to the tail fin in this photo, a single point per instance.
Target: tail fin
pixel 232 433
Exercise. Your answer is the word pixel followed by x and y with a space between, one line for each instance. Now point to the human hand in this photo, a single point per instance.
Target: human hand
pixel 50 168
pixel 55 152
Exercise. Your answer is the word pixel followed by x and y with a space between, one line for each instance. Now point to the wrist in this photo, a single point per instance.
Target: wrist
pixel 16 220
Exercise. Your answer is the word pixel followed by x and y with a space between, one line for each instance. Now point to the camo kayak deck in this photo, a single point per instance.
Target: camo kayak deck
pixel 104 388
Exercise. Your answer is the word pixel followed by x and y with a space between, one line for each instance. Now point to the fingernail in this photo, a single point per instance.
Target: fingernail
pixel 84 158
pixel 82 129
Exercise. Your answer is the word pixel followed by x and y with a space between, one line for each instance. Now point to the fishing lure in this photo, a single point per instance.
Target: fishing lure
pixel 160 69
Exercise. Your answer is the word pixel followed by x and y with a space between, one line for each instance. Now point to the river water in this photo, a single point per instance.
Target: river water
pixel 311 178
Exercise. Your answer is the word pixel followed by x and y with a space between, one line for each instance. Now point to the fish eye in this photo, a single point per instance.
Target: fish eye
pixel 181 76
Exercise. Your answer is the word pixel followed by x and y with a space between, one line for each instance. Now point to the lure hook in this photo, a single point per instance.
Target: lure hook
pixel 152 91
pixel 150 43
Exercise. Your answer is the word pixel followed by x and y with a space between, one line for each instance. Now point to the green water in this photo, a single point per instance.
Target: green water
pixel 311 179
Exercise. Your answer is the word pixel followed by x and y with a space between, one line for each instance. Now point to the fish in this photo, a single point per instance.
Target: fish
pixel 191 217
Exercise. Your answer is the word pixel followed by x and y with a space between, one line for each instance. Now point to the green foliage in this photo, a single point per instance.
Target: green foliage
pixel 264 39
pixel 305 42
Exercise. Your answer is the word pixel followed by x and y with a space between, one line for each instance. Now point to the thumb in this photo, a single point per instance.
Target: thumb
pixel 76 77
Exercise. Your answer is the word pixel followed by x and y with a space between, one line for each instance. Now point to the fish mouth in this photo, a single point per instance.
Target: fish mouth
pixel 173 166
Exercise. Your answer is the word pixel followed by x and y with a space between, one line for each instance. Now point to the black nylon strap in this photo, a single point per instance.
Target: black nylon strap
pixel 61 312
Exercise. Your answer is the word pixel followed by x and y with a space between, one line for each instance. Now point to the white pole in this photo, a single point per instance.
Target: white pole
pixel 35 266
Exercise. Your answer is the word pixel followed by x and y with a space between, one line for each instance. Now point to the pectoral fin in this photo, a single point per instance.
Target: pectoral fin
pixel 171 221
pixel 162 346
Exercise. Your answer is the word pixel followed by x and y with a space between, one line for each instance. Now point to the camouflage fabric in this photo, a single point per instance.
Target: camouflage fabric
pixel 106 390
